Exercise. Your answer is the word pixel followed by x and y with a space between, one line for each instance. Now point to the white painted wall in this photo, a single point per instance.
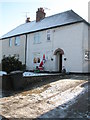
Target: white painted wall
pixel 89 47
pixel 69 38
pixel 45 47
pixel 85 47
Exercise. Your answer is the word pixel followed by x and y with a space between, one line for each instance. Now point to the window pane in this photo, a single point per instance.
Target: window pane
pixel 10 42
pixel 17 41
pixel 48 35
pixel 36 38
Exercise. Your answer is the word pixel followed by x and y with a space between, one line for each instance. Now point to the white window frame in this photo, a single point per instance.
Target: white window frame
pixel 37 38
pixel 10 42
pixel 17 40
pixel 48 35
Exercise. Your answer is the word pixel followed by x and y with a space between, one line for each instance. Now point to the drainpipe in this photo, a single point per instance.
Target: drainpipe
pixel 25 50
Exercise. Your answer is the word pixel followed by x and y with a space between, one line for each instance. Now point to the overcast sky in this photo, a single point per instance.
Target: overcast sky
pixel 13 12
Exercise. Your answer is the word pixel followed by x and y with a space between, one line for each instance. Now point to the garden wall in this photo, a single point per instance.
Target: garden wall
pixel 18 82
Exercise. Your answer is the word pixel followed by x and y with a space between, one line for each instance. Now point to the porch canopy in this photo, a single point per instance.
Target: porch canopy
pixel 59 50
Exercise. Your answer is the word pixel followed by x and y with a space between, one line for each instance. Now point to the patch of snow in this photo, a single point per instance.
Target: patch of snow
pixel 50 103
pixel 34 74
pixel 13 72
pixel 60 98
pixel 3 73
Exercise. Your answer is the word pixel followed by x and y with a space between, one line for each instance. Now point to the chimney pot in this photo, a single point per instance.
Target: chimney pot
pixel 28 19
pixel 40 14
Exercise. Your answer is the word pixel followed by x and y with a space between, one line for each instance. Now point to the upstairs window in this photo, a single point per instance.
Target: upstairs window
pixel 48 35
pixel 36 38
pixel 10 42
pixel 17 41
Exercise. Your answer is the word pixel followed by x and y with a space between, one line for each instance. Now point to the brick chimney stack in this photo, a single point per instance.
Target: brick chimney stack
pixel 28 19
pixel 40 14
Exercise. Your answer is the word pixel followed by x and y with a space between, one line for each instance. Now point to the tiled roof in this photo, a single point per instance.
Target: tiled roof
pixel 60 19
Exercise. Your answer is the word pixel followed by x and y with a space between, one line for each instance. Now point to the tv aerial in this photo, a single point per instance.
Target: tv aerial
pixel 26 14
pixel 45 8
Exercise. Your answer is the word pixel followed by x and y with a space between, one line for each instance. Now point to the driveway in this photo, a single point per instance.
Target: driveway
pixel 62 98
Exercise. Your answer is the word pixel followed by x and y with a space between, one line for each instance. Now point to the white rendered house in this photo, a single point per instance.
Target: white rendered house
pixel 62 39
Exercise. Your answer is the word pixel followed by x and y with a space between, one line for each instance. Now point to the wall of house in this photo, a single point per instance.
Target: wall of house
pixel 37 50
pixel 68 38
pixel 13 49
pixel 85 47
pixel 89 48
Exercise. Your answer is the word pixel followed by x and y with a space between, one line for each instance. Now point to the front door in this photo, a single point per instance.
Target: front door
pixel 60 63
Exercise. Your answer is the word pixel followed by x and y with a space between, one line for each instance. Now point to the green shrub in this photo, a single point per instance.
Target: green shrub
pixel 11 64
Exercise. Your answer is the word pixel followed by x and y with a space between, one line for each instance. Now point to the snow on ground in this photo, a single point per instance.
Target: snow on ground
pixel 34 74
pixel 47 101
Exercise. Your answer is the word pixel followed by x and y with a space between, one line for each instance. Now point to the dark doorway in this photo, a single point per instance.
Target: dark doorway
pixel 60 63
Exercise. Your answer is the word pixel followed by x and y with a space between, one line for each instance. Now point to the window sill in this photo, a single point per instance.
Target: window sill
pixel 36 43
pixel 17 45
pixel 48 40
